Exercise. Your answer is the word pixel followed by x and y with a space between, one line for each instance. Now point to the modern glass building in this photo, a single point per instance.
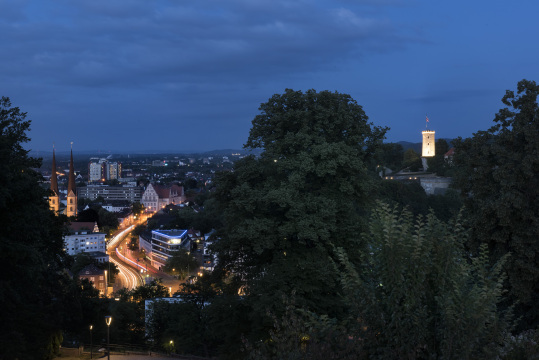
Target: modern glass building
pixel 165 243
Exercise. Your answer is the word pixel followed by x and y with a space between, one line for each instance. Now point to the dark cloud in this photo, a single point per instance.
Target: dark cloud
pixel 90 69
pixel 124 43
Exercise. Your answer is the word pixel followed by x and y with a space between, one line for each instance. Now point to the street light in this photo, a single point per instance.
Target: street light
pixel 108 320
pixel 91 343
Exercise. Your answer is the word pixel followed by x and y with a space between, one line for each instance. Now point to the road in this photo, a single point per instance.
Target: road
pixel 132 271
pixel 129 277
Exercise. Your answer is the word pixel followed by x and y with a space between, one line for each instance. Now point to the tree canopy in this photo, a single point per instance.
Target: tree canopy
pixel 286 210
pixel 419 294
pixel 31 246
pixel 181 263
pixel 498 173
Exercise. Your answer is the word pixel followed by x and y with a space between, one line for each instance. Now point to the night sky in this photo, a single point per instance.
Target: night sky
pixel 120 75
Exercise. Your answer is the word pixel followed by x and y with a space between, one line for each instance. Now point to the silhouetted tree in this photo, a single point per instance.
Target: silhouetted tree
pixel 497 172
pixel 31 249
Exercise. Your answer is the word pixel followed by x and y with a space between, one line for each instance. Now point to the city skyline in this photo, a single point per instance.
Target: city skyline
pixel 159 76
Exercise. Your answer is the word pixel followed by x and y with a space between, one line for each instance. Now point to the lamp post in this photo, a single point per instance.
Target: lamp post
pixel 106 282
pixel 91 343
pixel 108 320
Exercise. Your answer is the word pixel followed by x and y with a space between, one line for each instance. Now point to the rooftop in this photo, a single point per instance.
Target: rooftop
pixel 171 233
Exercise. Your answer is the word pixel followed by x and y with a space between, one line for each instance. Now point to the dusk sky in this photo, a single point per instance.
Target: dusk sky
pixel 119 75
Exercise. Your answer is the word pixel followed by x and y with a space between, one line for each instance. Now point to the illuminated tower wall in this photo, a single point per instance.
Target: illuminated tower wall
pixel 428 143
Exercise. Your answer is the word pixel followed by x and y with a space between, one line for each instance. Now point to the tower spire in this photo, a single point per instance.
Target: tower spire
pixel 54 179
pixel 71 181
pixel 71 209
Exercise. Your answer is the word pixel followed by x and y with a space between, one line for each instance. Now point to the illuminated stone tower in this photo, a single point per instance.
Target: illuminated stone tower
pixel 428 149
pixel 54 199
pixel 71 209
pixel 428 144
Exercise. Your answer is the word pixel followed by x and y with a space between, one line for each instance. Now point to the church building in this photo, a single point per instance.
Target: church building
pixel 54 199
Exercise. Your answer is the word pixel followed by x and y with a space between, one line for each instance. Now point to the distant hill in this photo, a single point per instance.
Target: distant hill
pixel 407 145
pixel 64 155
pixel 417 146
pixel 122 155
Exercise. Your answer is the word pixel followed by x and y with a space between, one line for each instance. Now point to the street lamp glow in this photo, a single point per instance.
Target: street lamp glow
pixel 108 320
pixel 91 343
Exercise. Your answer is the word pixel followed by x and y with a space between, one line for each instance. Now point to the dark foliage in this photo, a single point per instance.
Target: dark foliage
pixel 498 173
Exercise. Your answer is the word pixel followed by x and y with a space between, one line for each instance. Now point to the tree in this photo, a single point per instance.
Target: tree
pixel 133 243
pixel 411 160
pixel 437 163
pixel 88 215
pixel 419 294
pixel 183 218
pixel 286 210
pixel 190 184
pixel 139 229
pixel 154 289
pixel 129 311
pixel 31 246
pixel 181 263
pixel 405 194
pixel 138 208
pixel 389 155
pixel 108 221
pixel 497 172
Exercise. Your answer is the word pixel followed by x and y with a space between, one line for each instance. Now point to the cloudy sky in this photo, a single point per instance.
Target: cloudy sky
pixel 190 75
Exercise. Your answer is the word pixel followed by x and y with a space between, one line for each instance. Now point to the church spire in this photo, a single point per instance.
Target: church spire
pixel 54 179
pixel 71 209
pixel 71 187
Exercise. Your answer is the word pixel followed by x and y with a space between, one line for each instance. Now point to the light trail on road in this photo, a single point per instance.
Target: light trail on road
pixel 118 238
pixel 131 276
pixel 133 263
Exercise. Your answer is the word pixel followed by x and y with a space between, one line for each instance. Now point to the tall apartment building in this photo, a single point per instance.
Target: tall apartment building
pixel 111 192
pixel 100 170
pixel 113 170
pixel 96 170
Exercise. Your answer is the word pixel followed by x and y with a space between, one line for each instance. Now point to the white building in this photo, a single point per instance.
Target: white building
pixel 156 197
pixel 84 237
pixel 96 170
